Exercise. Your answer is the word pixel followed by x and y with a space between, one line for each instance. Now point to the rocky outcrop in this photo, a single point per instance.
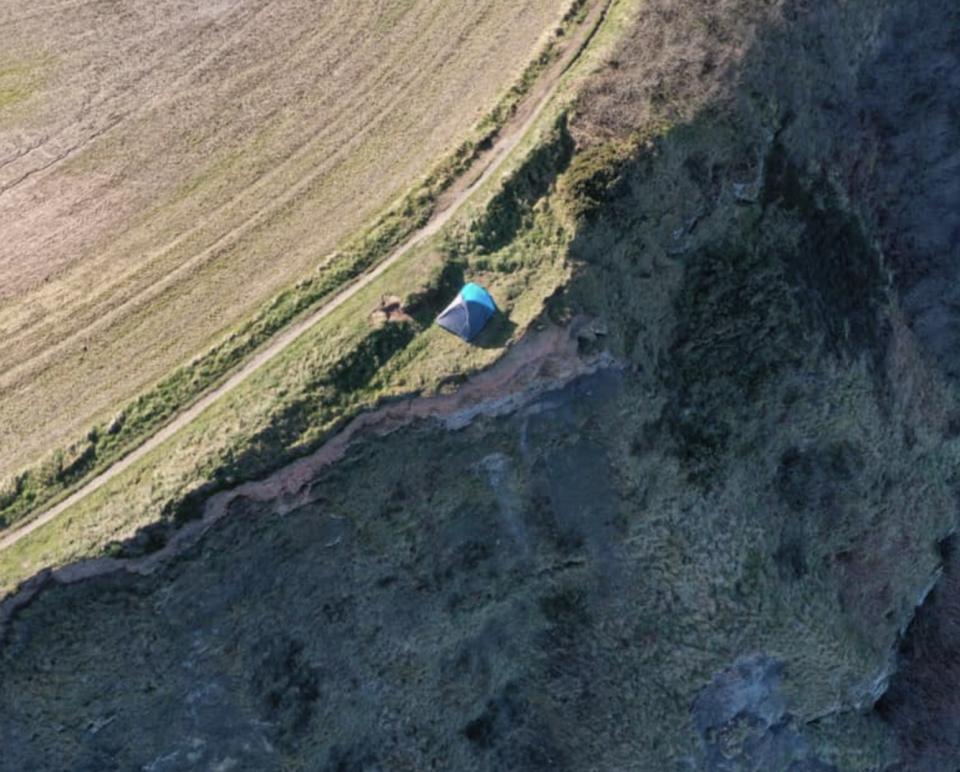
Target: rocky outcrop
pixel 743 721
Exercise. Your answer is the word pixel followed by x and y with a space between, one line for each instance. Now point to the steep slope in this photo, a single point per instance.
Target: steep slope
pixel 701 556
pixel 911 110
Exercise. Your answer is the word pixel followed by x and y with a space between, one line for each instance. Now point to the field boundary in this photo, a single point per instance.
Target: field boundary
pixel 52 477
pixel 589 17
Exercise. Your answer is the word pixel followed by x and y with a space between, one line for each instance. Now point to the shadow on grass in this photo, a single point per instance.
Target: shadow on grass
pixel 499 330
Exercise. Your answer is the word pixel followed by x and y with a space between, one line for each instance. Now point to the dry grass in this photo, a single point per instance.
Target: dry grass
pixel 173 171
pixel 678 56
pixel 18 82
pixel 521 275
pixel 298 399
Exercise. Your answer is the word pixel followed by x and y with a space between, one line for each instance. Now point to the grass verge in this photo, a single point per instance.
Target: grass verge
pixel 344 365
pixel 102 445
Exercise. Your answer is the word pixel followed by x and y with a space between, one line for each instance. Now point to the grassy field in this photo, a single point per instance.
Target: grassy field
pixel 345 364
pixel 162 179
pixel 504 238
pixel 108 441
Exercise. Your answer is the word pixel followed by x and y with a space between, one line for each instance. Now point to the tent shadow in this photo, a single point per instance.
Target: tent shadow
pixel 497 332
pixel 425 304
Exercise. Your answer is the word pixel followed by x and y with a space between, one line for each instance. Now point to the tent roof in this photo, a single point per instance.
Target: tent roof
pixel 469 312
pixel 474 293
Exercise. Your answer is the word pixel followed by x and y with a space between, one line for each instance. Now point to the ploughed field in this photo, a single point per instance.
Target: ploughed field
pixel 166 168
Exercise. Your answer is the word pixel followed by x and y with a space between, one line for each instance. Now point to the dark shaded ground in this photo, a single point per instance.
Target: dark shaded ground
pixel 513 600
pixel 404 620
pixel 911 105
pixel 536 592
pixel 702 563
pixel 923 701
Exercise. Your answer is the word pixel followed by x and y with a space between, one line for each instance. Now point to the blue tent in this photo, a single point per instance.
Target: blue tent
pixel 469 312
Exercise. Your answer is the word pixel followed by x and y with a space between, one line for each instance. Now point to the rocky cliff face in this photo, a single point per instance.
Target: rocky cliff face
pixel 708 557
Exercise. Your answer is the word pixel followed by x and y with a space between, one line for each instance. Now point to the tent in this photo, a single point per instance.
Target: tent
pixel 469 312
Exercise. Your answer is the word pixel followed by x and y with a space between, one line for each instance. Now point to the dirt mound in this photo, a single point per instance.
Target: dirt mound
pixel 390 310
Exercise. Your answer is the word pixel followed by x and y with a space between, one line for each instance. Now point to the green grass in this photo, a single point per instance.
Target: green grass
pixel 362 365
pixel 103 444
pixel 18 82
pixel 342 366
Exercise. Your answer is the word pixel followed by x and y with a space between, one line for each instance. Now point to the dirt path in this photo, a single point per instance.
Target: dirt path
pixel 490 162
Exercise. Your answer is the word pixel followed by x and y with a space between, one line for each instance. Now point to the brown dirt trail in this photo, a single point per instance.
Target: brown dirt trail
pixel 169 169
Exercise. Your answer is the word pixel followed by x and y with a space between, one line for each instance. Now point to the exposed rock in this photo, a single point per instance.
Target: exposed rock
pixel 921 704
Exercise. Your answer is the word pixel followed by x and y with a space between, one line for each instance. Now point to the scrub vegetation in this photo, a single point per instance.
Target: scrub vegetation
pixel 702 556
pixel 346 364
